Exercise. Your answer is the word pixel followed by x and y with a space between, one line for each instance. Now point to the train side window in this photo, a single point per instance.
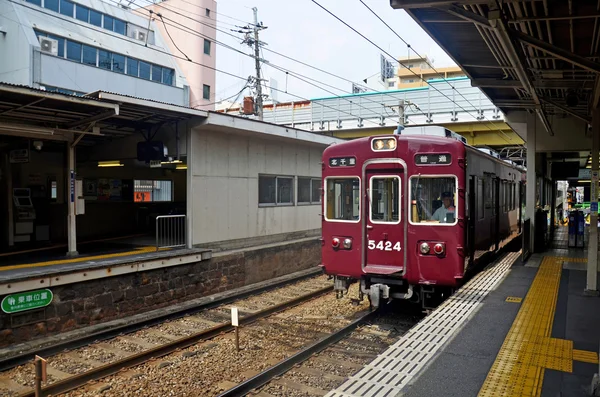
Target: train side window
pixel 342 199
pixel 385 199
pixel 433 200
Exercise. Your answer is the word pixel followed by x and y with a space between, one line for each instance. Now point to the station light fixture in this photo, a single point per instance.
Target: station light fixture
pixel 384 144
pixel 116 163
pixel 181 167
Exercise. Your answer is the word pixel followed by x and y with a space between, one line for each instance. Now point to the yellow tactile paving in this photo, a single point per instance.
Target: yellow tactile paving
pixel 528 348
pixel 514 299
pixel 585 356
pixel 141 250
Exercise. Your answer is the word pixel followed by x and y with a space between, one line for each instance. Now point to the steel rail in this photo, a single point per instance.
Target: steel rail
pixel 285 365
pixel 113 332
pixel 76 381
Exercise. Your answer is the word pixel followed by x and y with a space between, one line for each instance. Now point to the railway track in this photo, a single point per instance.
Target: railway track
pixel 327 363
pixel 77 367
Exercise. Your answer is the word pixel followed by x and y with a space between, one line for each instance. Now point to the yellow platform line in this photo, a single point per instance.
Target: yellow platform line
pixel 528 348
pixel 585 356
pixel 141 250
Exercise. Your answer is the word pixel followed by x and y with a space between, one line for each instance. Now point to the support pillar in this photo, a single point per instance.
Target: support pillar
pixel 591 287
pixel 531 178
pixel 189 200
pixel 71 217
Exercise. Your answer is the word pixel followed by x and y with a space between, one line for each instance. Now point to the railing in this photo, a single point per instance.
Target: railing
pixel 170 231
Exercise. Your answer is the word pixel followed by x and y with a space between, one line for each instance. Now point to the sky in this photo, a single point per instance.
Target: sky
pixel 302 30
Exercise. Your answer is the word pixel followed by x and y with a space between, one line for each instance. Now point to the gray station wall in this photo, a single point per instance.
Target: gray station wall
pixel 225 173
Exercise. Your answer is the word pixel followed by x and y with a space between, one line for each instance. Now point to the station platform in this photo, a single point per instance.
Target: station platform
pixel 516 329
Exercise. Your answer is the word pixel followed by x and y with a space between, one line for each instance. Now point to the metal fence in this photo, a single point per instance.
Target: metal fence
pixel 170 231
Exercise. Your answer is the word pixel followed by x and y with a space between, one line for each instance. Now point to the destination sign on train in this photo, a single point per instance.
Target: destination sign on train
pixel 437 158
pixel 342 161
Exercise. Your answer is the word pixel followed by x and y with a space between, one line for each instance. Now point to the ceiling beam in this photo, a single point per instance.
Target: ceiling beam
pixel 500 28
pixel 515 103
pixel 407 4
pixel 567 110
pixel 495 83
pixel 467 16
pixel 467 65
pixel 557 18
pixel 595 102
pixel 565 55
pixel 541 84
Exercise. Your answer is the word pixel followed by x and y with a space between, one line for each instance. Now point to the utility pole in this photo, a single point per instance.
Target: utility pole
pixel 253 41
pixel 259 99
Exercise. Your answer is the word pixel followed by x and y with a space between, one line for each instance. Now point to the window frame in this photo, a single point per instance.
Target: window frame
pixel 359 200
pixel 207 43
pixel 311 179
pixel 431 176
pixel 204 87
pixel 385 176
pixel 276 203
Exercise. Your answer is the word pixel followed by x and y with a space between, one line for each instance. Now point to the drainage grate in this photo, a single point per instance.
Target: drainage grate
pixel 387 374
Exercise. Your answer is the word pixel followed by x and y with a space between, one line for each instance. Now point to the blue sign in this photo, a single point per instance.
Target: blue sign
pixel 72 186
pixel 593 207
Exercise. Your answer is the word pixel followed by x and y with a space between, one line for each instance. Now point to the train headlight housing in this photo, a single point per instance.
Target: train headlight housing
pixel 378 144
pixel 335 243
pixel 424 248
pixel 384 144
pixel 347 243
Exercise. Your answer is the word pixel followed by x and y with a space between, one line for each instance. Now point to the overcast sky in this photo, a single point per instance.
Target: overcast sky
pixel 302 30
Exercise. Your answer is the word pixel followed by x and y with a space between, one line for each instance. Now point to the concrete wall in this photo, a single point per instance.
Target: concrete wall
pixel 92 302
pixel 225 186
pixel 17 40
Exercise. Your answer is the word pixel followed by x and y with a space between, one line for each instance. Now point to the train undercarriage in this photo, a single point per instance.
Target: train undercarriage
pixel 381 290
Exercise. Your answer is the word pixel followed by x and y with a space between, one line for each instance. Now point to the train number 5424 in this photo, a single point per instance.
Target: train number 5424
pixel 384 245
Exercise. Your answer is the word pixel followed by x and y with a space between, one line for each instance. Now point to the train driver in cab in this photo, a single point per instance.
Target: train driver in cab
pixel 445 214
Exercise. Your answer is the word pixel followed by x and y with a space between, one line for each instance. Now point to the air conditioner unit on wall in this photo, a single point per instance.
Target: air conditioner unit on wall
pixel 139 35
pixel 49 46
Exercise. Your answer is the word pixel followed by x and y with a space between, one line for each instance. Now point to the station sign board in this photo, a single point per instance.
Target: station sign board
pixel 342 161
pixel 29 300
pixel 19 156
pixel 433 159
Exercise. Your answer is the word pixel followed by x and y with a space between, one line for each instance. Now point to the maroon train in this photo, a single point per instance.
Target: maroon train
pixel 408 215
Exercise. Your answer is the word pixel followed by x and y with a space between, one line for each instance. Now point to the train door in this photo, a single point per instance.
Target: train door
pixel 385 226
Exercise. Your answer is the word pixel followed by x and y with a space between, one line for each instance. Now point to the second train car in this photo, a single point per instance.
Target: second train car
pixel 407 215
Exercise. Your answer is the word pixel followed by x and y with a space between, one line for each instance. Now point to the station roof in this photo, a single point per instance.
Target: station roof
pixel 536 55
pixel 30 112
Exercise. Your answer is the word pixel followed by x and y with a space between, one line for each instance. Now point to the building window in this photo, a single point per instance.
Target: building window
pixel 118 63
pixel 167 76
pixel 89 55
pixel 132 67
pixel 309 190
pixel 156 73
pixel 275 190
pixel 152 191
pixel 207 13
pixel 104 59
pixel 119 27
pixel 109 22
pixel 82 13
pixel 36 2
pixel 145 70
pixel 391 84
pixel 62 91
pixel 66 8
pixel 73 51
pixel 51 5
pixel 207 47
pixel 206 91
pixel 95 18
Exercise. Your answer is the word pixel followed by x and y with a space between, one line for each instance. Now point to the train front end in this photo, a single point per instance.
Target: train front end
pixel 393 216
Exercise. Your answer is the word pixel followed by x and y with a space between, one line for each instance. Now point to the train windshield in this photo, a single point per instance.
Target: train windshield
pixel 433 200
pixel 342 199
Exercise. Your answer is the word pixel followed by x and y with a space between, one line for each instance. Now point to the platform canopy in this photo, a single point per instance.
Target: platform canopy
pixel 534 56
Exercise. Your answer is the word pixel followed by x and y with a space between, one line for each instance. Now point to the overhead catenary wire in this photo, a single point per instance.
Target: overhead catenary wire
pixel 392 57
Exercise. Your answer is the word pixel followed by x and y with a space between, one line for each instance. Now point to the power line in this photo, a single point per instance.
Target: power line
pixel 392 57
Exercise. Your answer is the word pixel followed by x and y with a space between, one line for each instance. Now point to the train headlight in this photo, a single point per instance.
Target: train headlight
pixel 335 243
pixel 378 144
pixel 438 249
pixel 391 144
pixel 347 243
pixel 424 248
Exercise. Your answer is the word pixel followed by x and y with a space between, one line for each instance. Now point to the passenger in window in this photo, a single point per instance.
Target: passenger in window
pixel 445 214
